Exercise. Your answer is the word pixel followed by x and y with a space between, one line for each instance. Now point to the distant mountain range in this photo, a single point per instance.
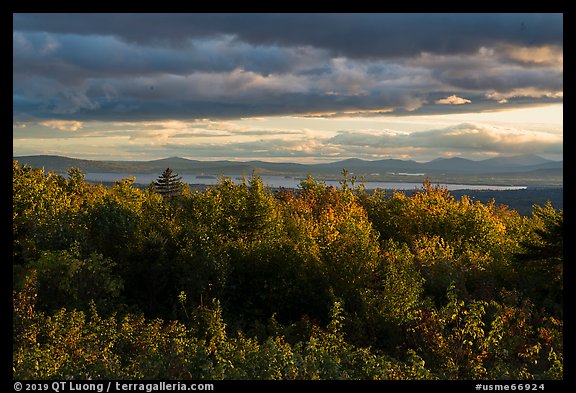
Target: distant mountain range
pixel 440 166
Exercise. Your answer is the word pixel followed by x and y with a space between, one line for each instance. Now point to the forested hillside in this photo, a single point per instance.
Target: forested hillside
pixel 237 282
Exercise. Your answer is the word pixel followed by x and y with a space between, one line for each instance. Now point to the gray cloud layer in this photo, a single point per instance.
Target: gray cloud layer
pixel 349 35
pixel 186 66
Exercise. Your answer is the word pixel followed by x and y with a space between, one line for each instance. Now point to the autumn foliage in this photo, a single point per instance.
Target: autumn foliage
pixel 239 282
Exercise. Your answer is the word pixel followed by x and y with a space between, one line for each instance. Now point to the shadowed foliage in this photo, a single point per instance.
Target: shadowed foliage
pixel 236 282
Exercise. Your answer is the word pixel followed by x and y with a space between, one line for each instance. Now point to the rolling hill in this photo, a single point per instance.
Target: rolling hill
pixel 522 168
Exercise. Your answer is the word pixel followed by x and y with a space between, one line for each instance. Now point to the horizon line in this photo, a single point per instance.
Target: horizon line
pixel 289 162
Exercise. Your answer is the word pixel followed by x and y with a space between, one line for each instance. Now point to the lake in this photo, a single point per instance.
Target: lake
pixel 289 182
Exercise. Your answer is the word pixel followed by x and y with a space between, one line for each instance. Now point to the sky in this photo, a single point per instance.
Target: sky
pixel 285 87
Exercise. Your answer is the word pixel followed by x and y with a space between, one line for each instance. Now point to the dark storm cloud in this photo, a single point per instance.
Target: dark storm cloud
pixel 70 57
pixel 350 35
pixel 185 66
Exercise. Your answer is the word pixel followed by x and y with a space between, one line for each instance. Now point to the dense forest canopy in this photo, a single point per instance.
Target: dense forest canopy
pixel 238 282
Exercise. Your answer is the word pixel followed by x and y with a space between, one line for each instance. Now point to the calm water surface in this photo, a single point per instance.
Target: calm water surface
pixel 288 182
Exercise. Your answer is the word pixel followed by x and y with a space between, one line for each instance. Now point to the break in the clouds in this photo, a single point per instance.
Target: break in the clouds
pixel 72 71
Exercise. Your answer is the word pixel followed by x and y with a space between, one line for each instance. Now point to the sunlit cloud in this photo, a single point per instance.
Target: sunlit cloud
pixel 464 137
pixel 63 125
pixel 523 92
pixel 453 100
pixel 542 56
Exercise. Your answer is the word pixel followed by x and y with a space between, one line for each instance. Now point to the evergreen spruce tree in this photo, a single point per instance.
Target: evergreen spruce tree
pixel 169 184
